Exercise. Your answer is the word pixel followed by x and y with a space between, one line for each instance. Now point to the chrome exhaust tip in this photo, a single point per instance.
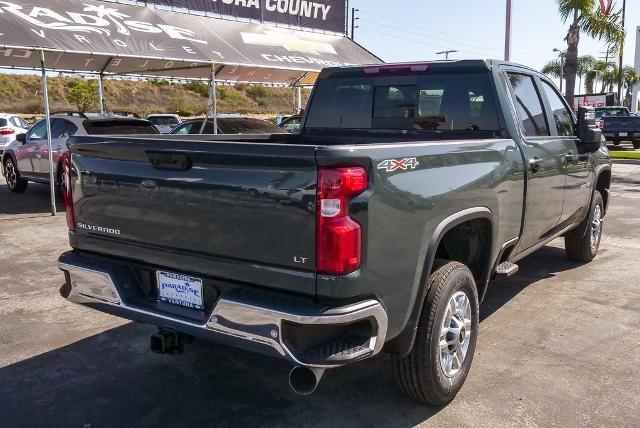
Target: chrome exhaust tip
pixel 304 380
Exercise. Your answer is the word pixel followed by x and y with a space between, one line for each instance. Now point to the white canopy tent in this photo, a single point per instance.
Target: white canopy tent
pixel 85 36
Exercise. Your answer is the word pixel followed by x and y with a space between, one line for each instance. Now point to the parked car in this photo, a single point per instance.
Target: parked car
pixel 378 227
pixel 27 158
pixel 165 123
pixel 10 126
pixel 618 124
pixel 229 125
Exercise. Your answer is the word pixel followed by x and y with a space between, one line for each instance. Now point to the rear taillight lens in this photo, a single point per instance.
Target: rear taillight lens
pixel 65 163
pixel 339 237
pixel 7 131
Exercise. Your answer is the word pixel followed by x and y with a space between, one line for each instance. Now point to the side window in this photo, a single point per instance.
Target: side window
pixel 561 115
pixel 71 129
pixel 15 121
pixel 182 129
pixel 528 105
pixel 58 128
pixel 38 132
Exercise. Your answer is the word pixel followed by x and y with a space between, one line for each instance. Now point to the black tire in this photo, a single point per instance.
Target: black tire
pixel 636 144
pixel 420 374
pixel 12 176
pixel 581 244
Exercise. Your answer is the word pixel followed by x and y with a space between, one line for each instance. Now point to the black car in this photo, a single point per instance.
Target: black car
pixel 229 125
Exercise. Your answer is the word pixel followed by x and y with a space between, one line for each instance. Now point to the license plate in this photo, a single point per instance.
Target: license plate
pixel 179 289
pixel 624 134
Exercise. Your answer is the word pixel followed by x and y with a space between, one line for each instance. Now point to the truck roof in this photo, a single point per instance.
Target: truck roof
pixel 418 66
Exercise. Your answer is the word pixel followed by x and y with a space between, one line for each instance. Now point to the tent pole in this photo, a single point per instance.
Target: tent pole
pixel 298 99
pixel 45 94
pixel 101 94
pixel 211 102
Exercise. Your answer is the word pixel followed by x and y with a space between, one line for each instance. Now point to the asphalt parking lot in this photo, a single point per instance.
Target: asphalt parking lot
pixel 559 345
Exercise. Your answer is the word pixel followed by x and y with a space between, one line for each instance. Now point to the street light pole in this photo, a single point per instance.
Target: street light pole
pixel 507 34
pixel 620 59
pixel 560 54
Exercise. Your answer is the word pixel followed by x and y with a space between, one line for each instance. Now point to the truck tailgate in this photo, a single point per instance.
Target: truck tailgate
pixel 621 124
pixel 249 205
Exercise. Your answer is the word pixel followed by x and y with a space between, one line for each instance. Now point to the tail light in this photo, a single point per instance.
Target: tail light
pixel 65 163
pixel 7 131
pixel 339 237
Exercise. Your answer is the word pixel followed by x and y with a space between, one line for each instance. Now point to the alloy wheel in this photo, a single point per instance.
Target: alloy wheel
pixel 455 334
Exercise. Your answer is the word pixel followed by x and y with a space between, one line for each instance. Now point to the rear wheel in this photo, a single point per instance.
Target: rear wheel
pixel 581 244
pixel 438 364
pixel 12 175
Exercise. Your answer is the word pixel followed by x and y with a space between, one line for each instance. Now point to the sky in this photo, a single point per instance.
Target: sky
pixel 408 30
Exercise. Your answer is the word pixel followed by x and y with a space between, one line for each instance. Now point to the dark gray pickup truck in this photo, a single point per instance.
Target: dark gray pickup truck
pixel 377 228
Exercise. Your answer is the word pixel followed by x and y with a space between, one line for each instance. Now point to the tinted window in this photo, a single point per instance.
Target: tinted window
pixel 528 105
pixel 247 126
pixel 39 131
pixel 432 102
pixel 61 128
pixel 561 115
pixel 183 129
pixel 3 122
pixel 292 125
pixel 15 121
pixel 615 112
pixel 119 127
pixel 164 120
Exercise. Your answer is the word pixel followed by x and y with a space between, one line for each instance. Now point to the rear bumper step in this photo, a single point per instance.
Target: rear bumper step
pixel 307 335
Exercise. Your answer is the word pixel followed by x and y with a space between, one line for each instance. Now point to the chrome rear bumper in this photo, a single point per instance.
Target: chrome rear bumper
pixel 243 318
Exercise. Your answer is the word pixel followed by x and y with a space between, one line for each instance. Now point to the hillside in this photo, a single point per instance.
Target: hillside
pixel 22 94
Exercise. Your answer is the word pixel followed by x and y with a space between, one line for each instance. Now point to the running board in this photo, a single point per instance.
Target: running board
pixel 506 269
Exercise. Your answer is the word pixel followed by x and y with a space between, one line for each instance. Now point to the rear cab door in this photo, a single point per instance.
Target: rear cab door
pixel 544 155
pixel 578 166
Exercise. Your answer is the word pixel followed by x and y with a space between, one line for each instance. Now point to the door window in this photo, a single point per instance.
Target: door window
pixel 38 132
pixel 528 105
pixel 561 115
pixel 62 129
pixel 15 121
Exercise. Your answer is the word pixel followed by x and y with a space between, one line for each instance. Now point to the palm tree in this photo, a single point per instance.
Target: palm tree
pixel 630 78
pixel 585 62
pixel 554 67
pixel 602 72
pixel 597 21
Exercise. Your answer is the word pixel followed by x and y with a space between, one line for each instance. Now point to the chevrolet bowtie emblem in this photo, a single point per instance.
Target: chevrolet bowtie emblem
pixel 287 41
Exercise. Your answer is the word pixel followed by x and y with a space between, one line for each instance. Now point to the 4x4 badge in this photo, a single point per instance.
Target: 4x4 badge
pixel 391 165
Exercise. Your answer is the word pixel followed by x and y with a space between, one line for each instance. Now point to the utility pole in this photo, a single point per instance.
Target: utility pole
pixel 353 21
pixel 620 58
pixel 507 34
pixel 446 53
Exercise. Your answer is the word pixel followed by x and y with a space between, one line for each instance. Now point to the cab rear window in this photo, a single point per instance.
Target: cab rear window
pixel 447 102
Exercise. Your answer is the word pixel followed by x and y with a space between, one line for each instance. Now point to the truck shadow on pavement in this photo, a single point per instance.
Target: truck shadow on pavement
pixel 112 379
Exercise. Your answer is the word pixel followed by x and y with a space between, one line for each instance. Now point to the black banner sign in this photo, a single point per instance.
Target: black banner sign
pixel 328 15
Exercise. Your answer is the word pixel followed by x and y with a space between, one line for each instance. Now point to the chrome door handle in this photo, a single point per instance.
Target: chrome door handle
pixel 534 164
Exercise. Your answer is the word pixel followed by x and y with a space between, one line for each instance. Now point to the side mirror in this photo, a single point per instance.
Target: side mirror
pixel 588 132
pixel 21 138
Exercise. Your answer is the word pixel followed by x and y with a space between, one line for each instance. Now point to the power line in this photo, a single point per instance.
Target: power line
pixel 487 50
pixel 422 28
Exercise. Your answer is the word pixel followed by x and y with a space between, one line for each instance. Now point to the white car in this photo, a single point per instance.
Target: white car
pixel 165 123
pixel 10 126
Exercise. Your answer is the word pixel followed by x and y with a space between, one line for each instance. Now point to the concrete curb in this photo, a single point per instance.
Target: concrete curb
pixel 627 161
